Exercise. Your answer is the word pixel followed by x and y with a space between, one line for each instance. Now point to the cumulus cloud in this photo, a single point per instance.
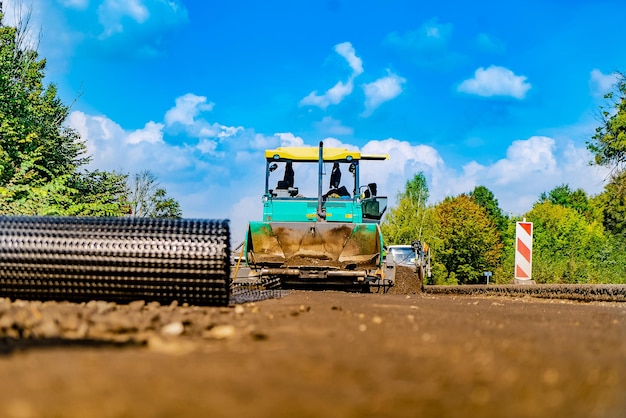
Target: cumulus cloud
pixel 381 91
pixel 185 117
pixel 135 27
pixel 107 142
pixel 346 50
pixel 533 166
pixel 187 108
pixel 333 96
pixel 495 81
pixel 287 139
pixel 112 13
pixel 341 89
pixel 151 133
pixel 600 83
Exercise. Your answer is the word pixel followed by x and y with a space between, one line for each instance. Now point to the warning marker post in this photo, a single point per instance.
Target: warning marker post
pixel 523 252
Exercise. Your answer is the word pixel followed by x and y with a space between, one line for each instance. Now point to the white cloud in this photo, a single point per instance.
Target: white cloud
pixel 287 139
pixel 114 148
pixel 186 114
pixel 341 89
pixel 347 51
pixel 333 96
pixel 381 91
pixel 13 11
pixel 187 108
pixel 152 133
pixel 524 158
pixel 532 166
pixel 111 14
pixel 136 27
pixel 208 146
pixel 495 81
pixel 600 83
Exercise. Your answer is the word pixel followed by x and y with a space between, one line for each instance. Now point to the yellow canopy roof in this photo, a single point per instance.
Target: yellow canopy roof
pixel 311 154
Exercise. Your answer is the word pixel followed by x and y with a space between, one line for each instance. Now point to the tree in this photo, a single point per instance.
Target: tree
pixel 484 197
pixel 567 248
pixel 148 200
pixel 165 207
pixel 566 197
pixel 608 144
pixel 99 193
pixel 39 156
pixel 471 243
pixel 410 218
pixel 613 205
pixel 32 135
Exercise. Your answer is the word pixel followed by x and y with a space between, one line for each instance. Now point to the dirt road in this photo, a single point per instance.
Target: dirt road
pixel 315 354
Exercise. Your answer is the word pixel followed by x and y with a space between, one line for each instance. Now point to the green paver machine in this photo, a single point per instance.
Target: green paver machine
pixel 325 238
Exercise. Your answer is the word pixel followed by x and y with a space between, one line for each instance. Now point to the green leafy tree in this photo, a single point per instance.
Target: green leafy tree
pixel 613 205
pixel 411 218
pixel 484 197
pixel 608 144
pixel 471 243
pixel 39 156
pixel 563 195
pixel 567 248
pixel 32 134
pixel 149 200
pixel 99 193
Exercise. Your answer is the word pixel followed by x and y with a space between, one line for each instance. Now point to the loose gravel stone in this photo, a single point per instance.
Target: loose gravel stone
pixel 219 332
pixel 136 305
pixel 173 329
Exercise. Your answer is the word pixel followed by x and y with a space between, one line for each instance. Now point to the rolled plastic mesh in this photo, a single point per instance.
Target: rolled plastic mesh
pixel 115 259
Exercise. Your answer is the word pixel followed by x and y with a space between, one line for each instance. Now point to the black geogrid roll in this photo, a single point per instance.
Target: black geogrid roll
pixel 115 259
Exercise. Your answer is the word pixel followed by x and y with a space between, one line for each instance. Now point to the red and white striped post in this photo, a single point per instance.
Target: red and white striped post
pixel 523 250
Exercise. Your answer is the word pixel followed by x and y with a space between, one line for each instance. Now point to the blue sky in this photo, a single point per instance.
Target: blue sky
pixel 501 94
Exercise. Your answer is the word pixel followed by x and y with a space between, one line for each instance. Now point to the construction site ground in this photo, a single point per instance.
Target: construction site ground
pixel 316 354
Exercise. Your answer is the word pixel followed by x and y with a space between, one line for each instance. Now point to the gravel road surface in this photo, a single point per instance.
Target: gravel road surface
pixel 315 354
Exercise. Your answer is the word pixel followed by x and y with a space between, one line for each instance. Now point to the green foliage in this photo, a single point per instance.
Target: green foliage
pixel 416 190
pixel 484 197
pixel 411 218
pixel 149 200
pixel 564 196
pixel 165 207
pixel 612 203
pixel 470 242
pixel 567 248
pixel 608 144
pixel 49 198
pixel 31 116
pixel 39 156
pixel 99 193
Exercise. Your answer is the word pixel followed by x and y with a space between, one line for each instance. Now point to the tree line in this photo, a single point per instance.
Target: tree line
pixel 43 161
pixel 577 238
